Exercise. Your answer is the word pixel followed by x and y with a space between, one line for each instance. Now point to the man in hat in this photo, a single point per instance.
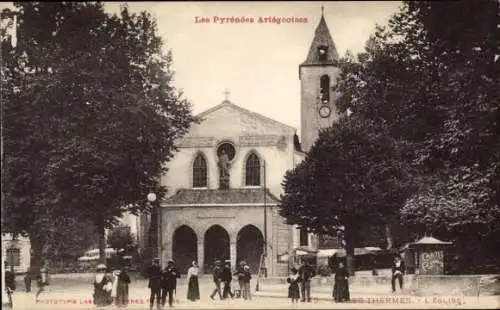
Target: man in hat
pixel 306 273
pixel 154 274
pixel 169 283
pixel 217 280
pixel 398 271
pixel 10 281
pixel 227 277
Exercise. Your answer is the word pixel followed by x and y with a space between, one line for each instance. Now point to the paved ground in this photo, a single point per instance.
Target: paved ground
pixel 76 293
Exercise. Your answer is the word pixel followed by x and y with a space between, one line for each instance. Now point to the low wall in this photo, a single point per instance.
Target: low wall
pixel 423 285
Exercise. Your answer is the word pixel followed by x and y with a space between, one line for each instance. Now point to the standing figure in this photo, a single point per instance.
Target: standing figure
pixel 154 284
pixel 306 273
pixel 122 288
pixel 217 277
pixel 10 282
pixel 102 287
pixel 247 276
pixel 341 284
pixel 27 280
pixel 42 281
pixel 224 166
pixel 193 292
pixel 398 271
pixel 293 288
pixel 227 277
pixel 240 273
pixel 114 279
pixel 169 283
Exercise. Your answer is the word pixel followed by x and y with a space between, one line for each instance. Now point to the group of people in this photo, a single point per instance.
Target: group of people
pixel 163 283
pixel 301 279
pixel 111 286
pixel 10 281
pixel 300 282
pixel 223 276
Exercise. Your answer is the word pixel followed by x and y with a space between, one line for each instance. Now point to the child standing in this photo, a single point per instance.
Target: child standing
pixel 293 289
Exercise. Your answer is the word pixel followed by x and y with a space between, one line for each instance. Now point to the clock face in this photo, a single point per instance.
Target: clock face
pixel 324 111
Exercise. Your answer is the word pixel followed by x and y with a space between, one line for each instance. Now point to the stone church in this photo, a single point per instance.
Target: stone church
pixel 225 181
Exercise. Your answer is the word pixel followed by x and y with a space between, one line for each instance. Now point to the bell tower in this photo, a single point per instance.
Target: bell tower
pixel 318 77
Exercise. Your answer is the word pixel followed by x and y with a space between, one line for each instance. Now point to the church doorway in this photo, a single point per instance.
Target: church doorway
pixel 249 247
pixel 216 247
pixel 184 248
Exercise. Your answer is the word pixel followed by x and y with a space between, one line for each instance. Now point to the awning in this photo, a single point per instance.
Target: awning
pixel 342 252
pixel 328 252
pixel 431 240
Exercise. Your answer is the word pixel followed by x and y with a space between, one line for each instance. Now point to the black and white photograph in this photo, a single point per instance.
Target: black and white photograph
pixel 250 155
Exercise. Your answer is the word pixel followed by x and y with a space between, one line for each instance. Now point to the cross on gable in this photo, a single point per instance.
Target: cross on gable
pixel 226 93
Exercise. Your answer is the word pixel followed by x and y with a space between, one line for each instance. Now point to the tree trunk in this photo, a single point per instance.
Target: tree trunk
pixel 102 241
pixel 350 244
pixel 388 236
pixel 37 254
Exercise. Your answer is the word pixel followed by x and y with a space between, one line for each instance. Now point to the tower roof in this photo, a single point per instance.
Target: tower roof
pixel 322 38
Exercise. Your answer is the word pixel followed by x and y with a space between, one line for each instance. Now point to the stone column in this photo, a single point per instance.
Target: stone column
pixel 166 253
pixel 232 252
pixel 201 255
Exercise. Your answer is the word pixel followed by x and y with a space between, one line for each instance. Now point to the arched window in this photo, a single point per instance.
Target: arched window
pixel 252 170
pixel 200 171
pixel 324 88
pixel 13 257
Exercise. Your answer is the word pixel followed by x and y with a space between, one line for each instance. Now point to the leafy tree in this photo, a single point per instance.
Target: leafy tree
pixel 120 237
pixel 92 117
pixel 353 176
pixel 431 79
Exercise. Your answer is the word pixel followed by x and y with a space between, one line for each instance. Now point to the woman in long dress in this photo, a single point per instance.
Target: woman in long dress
pixel 193 292
pixel 341 286
pixel 102 287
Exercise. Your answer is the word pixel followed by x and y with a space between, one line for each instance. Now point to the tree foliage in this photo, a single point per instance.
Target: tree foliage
pixel 91 116
pixel 353 176
pixel 120 238
pixel 430 78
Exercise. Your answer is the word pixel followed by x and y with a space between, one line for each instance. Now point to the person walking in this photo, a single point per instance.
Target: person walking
pixel 10 282
pixel 217 277
pixel 306 273
pixel 227 277
pixel 247 276
pixel 123 281
pixel 341 284
pixel 27 280
pixel 293 288
pixel 154 284
pixel 193 292
pixel 398 271
pixel 42 281
pixel 169 283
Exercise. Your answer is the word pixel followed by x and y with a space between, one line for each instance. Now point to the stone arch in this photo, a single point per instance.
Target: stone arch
pixel 249 246
pixel 248 156
pixel 216 247
pixel 184 247
pixel 199 170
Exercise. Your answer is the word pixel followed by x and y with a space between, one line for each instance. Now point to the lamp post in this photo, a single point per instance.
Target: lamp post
pixel 265 217
pixel 152 198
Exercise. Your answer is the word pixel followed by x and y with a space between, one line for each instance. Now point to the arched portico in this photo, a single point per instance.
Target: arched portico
pixel 216 247
pixel 249 246
pixel 184 247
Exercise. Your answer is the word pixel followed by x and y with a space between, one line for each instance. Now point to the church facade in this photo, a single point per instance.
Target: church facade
pixel 225 180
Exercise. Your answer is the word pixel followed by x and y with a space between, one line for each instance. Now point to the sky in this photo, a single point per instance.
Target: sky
pixel 256 63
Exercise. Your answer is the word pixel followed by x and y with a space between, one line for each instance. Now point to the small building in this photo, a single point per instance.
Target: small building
pixel 16 251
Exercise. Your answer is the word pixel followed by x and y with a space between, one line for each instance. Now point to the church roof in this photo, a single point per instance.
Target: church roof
pixel 322 37
pixel 234 196
pixel 227 103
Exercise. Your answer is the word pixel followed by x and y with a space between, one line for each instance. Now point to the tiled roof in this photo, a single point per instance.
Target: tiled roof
pixel 221 196
pixel 322 37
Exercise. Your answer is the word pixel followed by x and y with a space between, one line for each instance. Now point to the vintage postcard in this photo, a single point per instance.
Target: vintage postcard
pixel 250 155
